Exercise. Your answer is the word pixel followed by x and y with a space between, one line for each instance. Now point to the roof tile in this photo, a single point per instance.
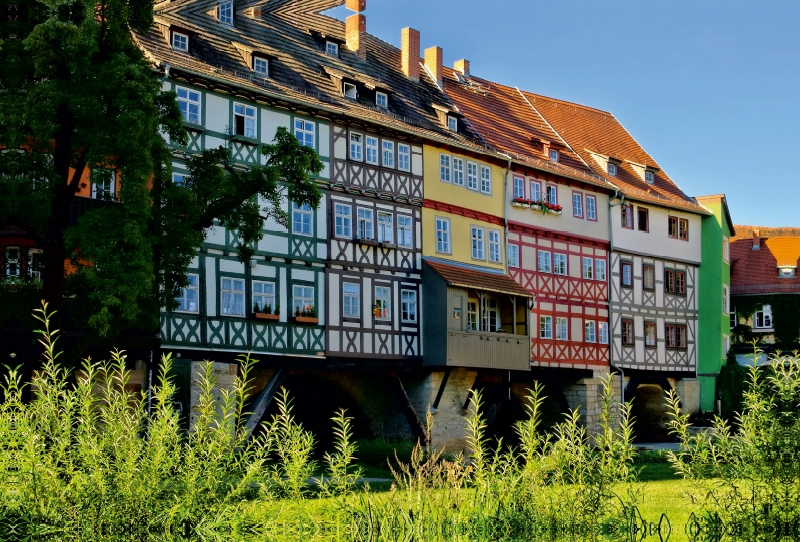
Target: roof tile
pixel 456 275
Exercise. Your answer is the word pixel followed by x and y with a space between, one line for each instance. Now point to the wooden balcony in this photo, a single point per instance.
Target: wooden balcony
pixel 488 350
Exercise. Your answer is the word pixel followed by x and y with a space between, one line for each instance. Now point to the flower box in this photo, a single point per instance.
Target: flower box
pixel 306 319
pixel 265 316
pixel 519 204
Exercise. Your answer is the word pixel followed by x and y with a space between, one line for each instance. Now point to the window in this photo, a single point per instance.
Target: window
pixel 404 231
pixel 178 179
pixel 385 227
pixel 493 315
pixel 477 243
pixel 404 159
pixel 180 42
pixel 627 274
pixel 189 301
pixel 725 307
pixel 591 208
pixel 669 281
pixel 444 168
pixel 682 338
pixel 232 297
pixel 244 120
pixel 189 102
pixel 680 282
pixel 226 13
pixel 472 315
pixel 512 252
pixel 356 147
pixel 589 334
pixel 304 131
pixel 458 171
pixel 366 226
pixel 349 90
pixel 683 229
pixel 443 235
pixel 673 227
pixel 602 332
pixel 372 150
pixel 577 205
pixel 264 297
pixel 351 300
pixel 381 100
pixel 588 268
pixel 536 191
pixel 612 169
pixel 726 250
pixel 388 154
pixel 726 345
pixel 13 264
pixel 552 194
pixel 408 306
pixel 332 48
pixel 383 303
pixel 452 123
pixel 104 183
pixel 627 332
pixel 671 335
pixel 486 180
pixel 648 277
pixel 261 65
pixel 343 218
pixel 546 327
pixel 519 188
pixel 494 246
pixel 734 320
pixel 302 216
pixel 650 334
pixel 649 177
pixel 627 216
pixel 560 264
pixel 642 222
pixel 544 262
pixel 302 299
pixel 472 176
pixel 600 270
pixel 763 318
pixel 553 155
pixel 562 330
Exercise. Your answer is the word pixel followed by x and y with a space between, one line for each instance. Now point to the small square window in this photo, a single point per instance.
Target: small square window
pixel 381 100
pixel 649 177
pixel 612 169
pixel 332 48
pixel 452 123
pixel 261 65
pixel 553 155
pixel 349 91
pixel 244 120
pixel 190 295
pixel 180 42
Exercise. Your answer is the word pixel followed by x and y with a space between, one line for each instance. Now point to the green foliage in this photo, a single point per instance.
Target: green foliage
pixel 785 321
pixel 732 383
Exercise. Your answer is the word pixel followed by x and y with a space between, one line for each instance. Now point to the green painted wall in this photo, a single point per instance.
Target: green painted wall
pixel 713 321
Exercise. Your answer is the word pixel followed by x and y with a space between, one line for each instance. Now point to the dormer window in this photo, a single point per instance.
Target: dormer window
pixel 261 65
pixel 381 100
pixel 180 42
pixel 332 48
pixel 349 91
pixel 612 169
pixel 649 177
pixel 553 155
pixel 452 123
pixel 786 272
pixel 226 13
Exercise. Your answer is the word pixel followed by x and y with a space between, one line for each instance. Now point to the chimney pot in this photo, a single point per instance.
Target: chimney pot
pixel 355 30
pixel 756 239
pixel 462 67
pixel 410 53
pixel 433 61
pixel 356 5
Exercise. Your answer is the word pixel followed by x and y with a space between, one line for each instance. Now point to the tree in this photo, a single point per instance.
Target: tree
pixel 78 97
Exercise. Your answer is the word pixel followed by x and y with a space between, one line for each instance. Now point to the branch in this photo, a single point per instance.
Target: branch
pixel 76 177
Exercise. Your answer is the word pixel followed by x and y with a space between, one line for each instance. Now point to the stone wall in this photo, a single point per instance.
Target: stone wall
pixel 224 375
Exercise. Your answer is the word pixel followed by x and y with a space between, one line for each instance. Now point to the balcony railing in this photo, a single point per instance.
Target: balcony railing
pixel 488 350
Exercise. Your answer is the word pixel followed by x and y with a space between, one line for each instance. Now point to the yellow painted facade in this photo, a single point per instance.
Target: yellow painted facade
pixel 446 187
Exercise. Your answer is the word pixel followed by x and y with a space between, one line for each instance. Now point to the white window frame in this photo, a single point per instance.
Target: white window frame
pixel 304 289
pixel 726 249
pixel 495 255
pixel 589 331
pixel 612 169
pixel 408 306
pixel 443 236
pixel 554 155
pixel 351 300
pixel 332 48
pixel 486 180
pixel 766 316
pixel 472 176
pixel 544 261
pixel 587 268
pixel 536 191
pixel 231 296
pixel 444 168
pixel 343 220
pixel 356 146
pixel 473 322
pixel 306 218
pixel 387 154
pixel 452 123
pixel 185 299
pixel 305 132
pixel 519 188
pixel 366 223
pixel 371 147
pixel 385 224
pixel 180 41
pixel 552 190
pixel 602 332
pixel 106 190
pixel 545 327
pixel 383 303
pixel 562 328
pixel 577 205
pixel 261 65
pixel 458 171
pixel 403 157
pixel 264 295
pixel 512 254
pixel 405 231
pixel 226 13
pixel 726 300
pixel 349 90
pixel 478 242
pixel 649 177
pixel 726 345
pixel 560 264
pixel 600 269
pixel 249 115
pixel 190 103
pixel 591 210
pixel 382 100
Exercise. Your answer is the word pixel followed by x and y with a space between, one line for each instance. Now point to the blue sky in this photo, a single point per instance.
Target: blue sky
pixel 708 87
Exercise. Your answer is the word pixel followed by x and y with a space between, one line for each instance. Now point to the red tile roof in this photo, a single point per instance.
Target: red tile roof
pixel 466 277
pixel 756 271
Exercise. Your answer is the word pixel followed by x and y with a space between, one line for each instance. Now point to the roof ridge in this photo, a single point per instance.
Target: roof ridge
pixel 567 102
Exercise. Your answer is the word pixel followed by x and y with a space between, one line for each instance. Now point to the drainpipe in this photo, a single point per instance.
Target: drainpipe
pixel 610 286
pixel 505 216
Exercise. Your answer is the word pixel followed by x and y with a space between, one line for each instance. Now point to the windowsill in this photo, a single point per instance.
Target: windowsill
pixel 305 319
pixel 351 319
pixel 386 245
pixel 764 329
pixel 628 286
pixel 194 313
pixel 246 139
pixel 302 234
pixel 370 242
pixel 265 316
pixel 648 289
pixel 193 127
pixel 629 345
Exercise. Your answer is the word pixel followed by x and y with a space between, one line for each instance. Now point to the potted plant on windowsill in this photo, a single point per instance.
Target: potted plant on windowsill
pixel 521 202
pixel 265 312
pixel 308 315
pixel 546 208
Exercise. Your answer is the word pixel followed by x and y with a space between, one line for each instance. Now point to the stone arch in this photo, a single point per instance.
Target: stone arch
pixel 649 408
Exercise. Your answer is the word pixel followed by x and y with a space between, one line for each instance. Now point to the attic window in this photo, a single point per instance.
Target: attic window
pixel 649 177
pixel 226 13
pixel 553 155
pixel 261 65
pixel 349 91
pixel 331 48
pixel 452 123
pixel 612 169
pixel 381 100
pixel 180 42
pixel 786 272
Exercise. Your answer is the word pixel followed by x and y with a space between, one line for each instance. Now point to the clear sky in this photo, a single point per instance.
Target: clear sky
pixel 708 87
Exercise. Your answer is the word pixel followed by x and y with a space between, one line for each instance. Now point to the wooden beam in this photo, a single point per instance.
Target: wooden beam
pixel 263 400
pixel 414 422
pixel 441 387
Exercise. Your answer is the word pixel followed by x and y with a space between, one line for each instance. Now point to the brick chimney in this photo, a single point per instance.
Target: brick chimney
pixel 462 67
pixel 410 53
pixel 355 31
pixel 433 61
pixel 756 239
